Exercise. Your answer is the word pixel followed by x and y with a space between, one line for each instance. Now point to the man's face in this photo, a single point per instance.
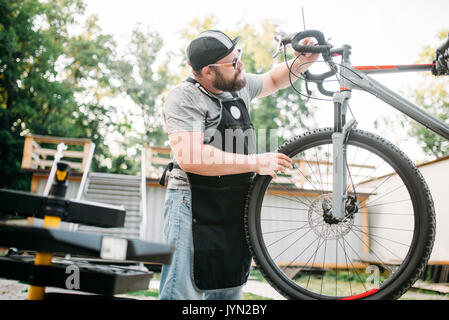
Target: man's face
pixel 226 77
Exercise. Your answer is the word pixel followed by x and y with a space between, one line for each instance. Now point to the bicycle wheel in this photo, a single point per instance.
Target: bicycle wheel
pixel 377 251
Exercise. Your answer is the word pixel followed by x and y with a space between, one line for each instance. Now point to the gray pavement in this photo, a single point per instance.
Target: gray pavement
pixel 14 290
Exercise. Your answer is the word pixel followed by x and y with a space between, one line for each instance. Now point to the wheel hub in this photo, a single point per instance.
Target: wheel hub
pixel 324 224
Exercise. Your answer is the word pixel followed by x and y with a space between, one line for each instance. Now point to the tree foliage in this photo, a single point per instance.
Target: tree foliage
pixel 32 98
pixel 144 78
pixel 61 76
pixel 433 95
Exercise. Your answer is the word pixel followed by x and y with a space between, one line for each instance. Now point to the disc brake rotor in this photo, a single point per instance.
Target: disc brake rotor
pixel 322 222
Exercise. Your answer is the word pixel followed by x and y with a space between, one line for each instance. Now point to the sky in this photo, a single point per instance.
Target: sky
pixel 379 32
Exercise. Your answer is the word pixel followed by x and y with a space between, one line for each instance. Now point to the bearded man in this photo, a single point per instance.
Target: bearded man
pixel 212 138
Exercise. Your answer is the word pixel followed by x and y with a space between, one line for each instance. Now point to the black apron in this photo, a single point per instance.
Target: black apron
pixel 221 257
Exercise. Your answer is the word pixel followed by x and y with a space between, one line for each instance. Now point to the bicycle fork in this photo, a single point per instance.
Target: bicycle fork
pixel 341 131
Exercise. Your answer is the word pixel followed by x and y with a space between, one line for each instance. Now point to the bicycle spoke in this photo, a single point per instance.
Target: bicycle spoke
pixel 294 165
pixel 277 231
pixel 300 254
pixel 377 236
pixel 383 263
pixel 282 220
pixel 346 260
pixel 383 204
pixel 378 186
pixel 319 169
pixel 344 241
pixel 386 228
pixel 328 164
pixel 286 236
pixel 291 244
pixel 390 213
pixel 314 257
pixel 386 194
pixel 324 260
pixel 286 208
pixel 336 268
pixel 294 198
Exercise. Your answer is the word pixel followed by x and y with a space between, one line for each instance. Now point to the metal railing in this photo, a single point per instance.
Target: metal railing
pixel 86 172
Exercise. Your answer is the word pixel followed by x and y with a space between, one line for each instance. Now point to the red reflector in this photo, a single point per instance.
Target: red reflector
pixel 361 295
pixel 386 67
pixel 374 67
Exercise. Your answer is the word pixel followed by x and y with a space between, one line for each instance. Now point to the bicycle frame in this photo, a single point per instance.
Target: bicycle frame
pixel 357 78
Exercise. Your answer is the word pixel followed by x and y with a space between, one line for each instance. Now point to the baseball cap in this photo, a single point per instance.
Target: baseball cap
pixel 209 47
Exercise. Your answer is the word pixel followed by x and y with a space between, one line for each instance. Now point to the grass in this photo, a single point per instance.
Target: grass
pixel 256 275
pixel 155 294
pixel 145 293
pixel 252 296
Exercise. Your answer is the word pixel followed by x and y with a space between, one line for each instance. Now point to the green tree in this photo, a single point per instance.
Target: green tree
pixel 51 81
pixel 32 100
pixel 89 58
pixel 433 95
pixel 144 77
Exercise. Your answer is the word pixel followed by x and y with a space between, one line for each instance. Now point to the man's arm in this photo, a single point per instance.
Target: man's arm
pixel 278 77
pixel 192 155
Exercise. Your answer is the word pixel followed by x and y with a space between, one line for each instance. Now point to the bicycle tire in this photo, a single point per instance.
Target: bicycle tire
pixel 401 276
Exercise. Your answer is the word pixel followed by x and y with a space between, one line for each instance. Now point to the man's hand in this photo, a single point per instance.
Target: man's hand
pixel 279 77
pixel 307 57
pixel 271 163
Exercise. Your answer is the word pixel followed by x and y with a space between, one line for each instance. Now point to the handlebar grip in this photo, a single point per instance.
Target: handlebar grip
pixel 323 47
pixel 318 35
pixel 311 49
pixel 318 77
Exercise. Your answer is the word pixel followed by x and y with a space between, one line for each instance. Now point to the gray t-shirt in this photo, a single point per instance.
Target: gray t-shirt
pixel 188 109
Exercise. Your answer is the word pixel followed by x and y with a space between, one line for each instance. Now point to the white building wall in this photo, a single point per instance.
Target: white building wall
pixel 437 178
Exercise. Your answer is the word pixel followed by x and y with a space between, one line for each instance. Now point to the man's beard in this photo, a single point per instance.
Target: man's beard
pixel 232 85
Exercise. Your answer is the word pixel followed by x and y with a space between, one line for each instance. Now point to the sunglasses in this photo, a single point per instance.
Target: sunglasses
pixel 230 64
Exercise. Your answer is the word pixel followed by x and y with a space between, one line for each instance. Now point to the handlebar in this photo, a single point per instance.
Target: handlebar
pixel 441 62
pixel 322 47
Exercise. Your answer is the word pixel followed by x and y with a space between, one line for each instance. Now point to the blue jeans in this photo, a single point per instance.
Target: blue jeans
pixel 176 278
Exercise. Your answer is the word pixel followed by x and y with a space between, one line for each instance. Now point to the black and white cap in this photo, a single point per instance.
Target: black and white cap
pixel 209 47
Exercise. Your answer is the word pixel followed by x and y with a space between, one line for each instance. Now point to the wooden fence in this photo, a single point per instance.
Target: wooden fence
pixel 39 152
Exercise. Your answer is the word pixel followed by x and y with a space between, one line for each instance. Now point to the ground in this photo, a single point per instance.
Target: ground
pixel 256 289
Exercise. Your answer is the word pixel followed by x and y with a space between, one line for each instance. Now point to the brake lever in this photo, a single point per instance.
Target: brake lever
pixel 279 46
pixel 309 92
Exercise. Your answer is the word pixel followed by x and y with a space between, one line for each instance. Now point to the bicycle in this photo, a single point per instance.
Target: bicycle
pixel 352 202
